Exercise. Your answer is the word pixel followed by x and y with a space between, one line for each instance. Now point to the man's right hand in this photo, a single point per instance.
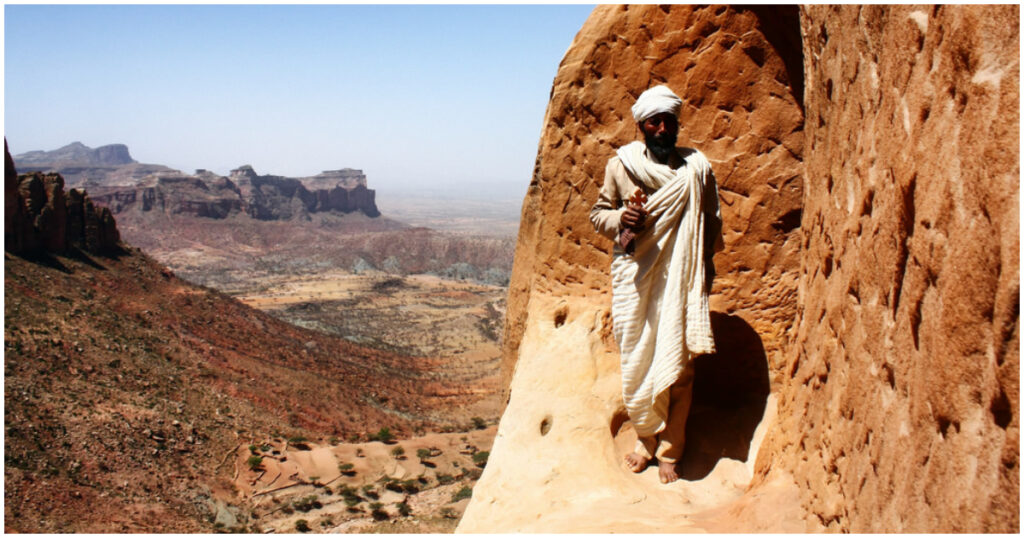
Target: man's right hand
pixel 634 217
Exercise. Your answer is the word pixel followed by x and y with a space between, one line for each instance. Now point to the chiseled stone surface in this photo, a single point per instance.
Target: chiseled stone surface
pixel 556 460
pixel 901 412
pixel 870 278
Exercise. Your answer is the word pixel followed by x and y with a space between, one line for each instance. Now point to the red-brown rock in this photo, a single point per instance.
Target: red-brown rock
pixel 901 413
pixel 872 251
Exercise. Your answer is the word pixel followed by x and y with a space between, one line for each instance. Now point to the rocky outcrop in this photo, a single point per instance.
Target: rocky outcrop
pixel 282 198
pixel 902 404
pixel 563 429
pixel 208 195
pixel 42 218
pixel 868 293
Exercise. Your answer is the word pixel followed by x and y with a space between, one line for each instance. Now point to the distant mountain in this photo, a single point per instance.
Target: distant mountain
pixel 82 166
pixel 77 153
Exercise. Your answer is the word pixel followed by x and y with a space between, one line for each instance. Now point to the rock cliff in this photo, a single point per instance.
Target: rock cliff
pixel 42 217
pixel 266 197
pixel 866 308
pixel 901 408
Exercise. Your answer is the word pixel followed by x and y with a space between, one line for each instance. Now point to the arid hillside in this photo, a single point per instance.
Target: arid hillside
pixel 866 308
pixel 128 391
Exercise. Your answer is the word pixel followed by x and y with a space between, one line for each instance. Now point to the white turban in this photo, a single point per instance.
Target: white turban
pixel 655 101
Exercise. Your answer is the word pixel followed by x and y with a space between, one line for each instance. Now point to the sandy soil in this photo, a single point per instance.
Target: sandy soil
pixel 334 486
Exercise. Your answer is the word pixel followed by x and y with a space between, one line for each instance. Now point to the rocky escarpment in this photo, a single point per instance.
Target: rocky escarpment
pixel 41 217
pixel 208 195
pixel 281 198
pixel 866 309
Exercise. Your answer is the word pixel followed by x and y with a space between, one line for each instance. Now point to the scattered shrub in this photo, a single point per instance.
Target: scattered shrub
pixel 403 509
pixel 398 452
pixel 480 458
pixel 448 513
pixel 370 492
pixel 302 525
pixel 377 511
pixel 306 504
pixel 253 449
pixel 384 435
pixel 479 423
pixel 422 453
pixel 445 479
pixel 255 462
pixel 464 493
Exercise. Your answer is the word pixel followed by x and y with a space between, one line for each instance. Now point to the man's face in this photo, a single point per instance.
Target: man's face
pixel 660 132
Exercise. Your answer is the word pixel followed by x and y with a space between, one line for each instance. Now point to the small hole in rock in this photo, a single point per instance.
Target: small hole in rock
pixel 545 425
pixel 560 315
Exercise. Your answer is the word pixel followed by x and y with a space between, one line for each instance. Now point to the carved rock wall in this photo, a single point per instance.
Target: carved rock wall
pixel 736 70
pixel 563 431
pixel 871 265
pixel 901 411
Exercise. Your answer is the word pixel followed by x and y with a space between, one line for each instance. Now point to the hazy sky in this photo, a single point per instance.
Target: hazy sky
pixel 413 95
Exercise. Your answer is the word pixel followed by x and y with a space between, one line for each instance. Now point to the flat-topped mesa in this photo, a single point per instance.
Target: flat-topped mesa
pixel 77 153
pixel 346 178
pixel 244 191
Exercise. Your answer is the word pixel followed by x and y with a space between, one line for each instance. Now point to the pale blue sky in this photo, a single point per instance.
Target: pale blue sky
pixel 414 95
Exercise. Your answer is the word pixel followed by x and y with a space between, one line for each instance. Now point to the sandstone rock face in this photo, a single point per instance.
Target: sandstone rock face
pixel 740 110
pixel 901 411
pixel 870 283
pixel 564 429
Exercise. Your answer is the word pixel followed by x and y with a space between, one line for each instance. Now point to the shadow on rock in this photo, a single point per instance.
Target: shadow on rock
pixel 730 392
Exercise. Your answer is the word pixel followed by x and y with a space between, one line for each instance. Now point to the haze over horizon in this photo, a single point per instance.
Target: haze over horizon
pixel 421 98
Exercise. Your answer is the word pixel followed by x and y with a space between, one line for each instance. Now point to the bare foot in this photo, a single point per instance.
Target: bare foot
pixel 635 462
pixel 667 472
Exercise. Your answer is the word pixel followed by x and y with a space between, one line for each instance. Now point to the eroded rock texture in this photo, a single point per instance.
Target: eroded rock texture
pixel 564 431
pixel 901 413
pixel 870 278
pixel 736 70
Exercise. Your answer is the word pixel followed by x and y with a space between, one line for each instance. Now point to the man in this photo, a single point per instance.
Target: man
pixel 659 203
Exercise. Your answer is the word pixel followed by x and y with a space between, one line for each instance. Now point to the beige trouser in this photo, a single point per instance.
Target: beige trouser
pixel 668 445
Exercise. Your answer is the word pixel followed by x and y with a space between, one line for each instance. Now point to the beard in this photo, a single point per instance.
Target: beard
pixel 661 146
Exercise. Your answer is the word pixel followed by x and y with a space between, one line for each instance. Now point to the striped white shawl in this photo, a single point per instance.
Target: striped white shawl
pixel 660 309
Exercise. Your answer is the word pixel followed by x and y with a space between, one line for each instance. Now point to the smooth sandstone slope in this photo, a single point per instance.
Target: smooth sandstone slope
pixel 895 367
pixel 561 438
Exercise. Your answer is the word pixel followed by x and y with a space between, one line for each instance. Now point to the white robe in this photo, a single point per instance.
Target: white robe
pixel 660 308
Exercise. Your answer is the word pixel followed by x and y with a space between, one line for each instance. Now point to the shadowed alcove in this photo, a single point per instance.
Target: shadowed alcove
pixel 730 391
